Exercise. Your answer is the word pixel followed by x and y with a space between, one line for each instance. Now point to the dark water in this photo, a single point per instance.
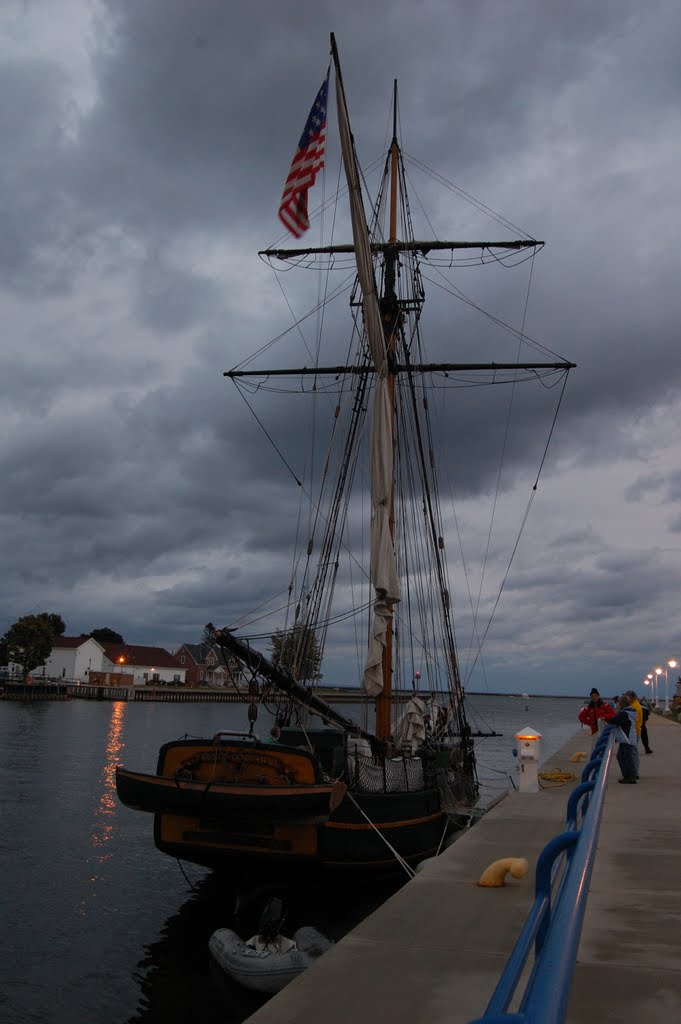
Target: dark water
pixel 96 926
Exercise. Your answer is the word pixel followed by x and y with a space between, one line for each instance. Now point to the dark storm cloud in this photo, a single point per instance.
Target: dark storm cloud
pixel 136 193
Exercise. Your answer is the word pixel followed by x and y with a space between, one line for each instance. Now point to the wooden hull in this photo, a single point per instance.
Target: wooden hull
pixel 346 844
pixel 227 802
pixel 266 808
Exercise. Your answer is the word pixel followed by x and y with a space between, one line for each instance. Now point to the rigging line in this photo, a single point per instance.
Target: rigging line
pixel 329 621
pixel 398 856
pixel 457 293
pixel 506 574
pixel 298 482
pixel 238 623
pixel 507 427
pixel 268 436
pixel 345 285
pixel 553 424
pixel 466 195
pixel 415 192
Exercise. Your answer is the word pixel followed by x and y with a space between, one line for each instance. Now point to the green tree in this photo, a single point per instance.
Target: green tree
pixel 299 651
pixel 29 642
pixel 104 635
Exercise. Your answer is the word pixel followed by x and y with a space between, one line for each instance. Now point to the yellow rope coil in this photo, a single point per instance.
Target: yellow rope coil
pixel 558 777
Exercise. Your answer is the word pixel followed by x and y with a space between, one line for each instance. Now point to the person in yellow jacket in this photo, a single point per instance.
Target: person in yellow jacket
pixel 635 704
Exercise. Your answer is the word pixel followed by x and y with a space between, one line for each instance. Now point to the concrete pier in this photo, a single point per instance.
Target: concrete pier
pixel 435 951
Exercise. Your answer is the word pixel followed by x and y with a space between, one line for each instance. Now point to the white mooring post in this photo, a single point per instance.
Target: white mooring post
pixel 529 743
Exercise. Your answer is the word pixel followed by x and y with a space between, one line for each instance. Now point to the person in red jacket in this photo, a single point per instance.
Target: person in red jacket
pixel 596 713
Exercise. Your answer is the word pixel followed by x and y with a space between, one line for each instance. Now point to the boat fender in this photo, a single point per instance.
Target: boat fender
pixel 580 755
pixel 495 875
pixel 423 863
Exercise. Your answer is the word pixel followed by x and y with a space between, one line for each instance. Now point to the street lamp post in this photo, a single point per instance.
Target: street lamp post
pixel 658 673
pixel 672 663
pixel 651 680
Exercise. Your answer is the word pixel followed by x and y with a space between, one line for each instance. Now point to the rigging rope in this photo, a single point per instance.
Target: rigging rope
pixel 398 857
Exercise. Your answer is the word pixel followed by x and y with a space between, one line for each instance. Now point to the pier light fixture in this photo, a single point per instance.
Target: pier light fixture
pixel 672 663
pixel 528 754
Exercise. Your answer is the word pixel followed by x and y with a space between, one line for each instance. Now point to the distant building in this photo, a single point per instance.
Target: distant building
pixel 71 657
pixel 206 665
pixel 143 665
pixel 84 660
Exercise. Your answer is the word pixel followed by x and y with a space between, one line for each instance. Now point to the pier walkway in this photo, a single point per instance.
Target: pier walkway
pixel 434 952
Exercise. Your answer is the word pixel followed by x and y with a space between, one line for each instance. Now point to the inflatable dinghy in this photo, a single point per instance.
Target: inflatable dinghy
pixel 268 960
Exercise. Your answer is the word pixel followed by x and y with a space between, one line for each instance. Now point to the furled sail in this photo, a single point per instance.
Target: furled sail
pixel 383 564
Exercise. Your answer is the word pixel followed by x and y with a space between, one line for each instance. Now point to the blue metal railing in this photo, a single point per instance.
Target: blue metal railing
pixel 554 924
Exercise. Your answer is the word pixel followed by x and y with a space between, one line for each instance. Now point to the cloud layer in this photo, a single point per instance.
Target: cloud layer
pixel 149 143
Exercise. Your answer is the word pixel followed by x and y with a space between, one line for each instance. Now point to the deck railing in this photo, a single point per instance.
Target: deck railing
pixel 554 924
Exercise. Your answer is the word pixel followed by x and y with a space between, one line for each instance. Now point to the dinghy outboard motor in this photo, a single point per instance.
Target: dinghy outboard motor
pixel 271 920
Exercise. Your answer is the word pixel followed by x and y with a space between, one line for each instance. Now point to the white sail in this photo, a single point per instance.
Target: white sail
pixel 383 563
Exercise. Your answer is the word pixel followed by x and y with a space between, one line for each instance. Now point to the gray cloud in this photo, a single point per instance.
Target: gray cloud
pixel 149 147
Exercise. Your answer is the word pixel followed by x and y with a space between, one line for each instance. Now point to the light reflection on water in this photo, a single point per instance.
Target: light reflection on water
pixel 108 802
pixel 123 935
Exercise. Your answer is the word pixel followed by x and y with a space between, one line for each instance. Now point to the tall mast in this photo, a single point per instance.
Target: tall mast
pixel 383 569
pixel 389 311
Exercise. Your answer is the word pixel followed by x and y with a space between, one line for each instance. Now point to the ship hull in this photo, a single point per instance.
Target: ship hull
pixel 251 807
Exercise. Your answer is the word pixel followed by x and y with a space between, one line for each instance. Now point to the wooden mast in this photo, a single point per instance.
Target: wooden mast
pixel 389 310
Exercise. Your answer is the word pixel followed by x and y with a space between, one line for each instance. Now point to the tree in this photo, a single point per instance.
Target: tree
pixel 29 642
pixel 208 635
pixel 54 621
pixel 104 635
pixel 299 651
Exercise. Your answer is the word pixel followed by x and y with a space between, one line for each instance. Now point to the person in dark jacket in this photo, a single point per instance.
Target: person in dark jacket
pixel 596 712
pixel 627 740
pixel 645 707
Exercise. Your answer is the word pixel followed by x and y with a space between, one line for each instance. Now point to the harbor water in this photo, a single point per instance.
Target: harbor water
pixel 96 925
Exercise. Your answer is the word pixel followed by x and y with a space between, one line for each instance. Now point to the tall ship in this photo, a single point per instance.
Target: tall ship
pixel 325 793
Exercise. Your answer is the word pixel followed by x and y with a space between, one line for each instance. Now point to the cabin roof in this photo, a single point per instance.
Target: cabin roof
pixel 134 654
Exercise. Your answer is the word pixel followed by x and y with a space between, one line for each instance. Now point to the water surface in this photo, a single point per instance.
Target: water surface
pixel 99 927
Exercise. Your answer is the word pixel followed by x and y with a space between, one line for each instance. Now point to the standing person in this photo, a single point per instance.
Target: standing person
pixel 627 742
pixel 645 705
pixel 636 705
pixel 596 713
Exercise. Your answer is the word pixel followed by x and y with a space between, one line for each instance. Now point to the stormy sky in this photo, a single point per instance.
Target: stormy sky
pixel 145 145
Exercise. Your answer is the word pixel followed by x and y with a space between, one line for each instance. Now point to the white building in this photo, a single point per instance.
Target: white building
pixel 71 658
pixel 83 660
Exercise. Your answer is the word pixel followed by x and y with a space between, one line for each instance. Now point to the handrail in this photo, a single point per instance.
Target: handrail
pixel 554 923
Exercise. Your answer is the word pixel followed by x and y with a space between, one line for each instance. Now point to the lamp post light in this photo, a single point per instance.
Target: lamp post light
pixel 658 673
pixel 651 679
pixel 672 663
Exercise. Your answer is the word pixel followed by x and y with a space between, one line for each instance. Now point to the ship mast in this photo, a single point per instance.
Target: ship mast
pixel 390 318
pixel 384 319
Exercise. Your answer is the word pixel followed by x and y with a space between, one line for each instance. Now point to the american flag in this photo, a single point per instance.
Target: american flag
pixel 308 160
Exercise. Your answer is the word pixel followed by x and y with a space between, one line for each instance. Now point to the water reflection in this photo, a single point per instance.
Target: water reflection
pixel 106 808
pixel 178 979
